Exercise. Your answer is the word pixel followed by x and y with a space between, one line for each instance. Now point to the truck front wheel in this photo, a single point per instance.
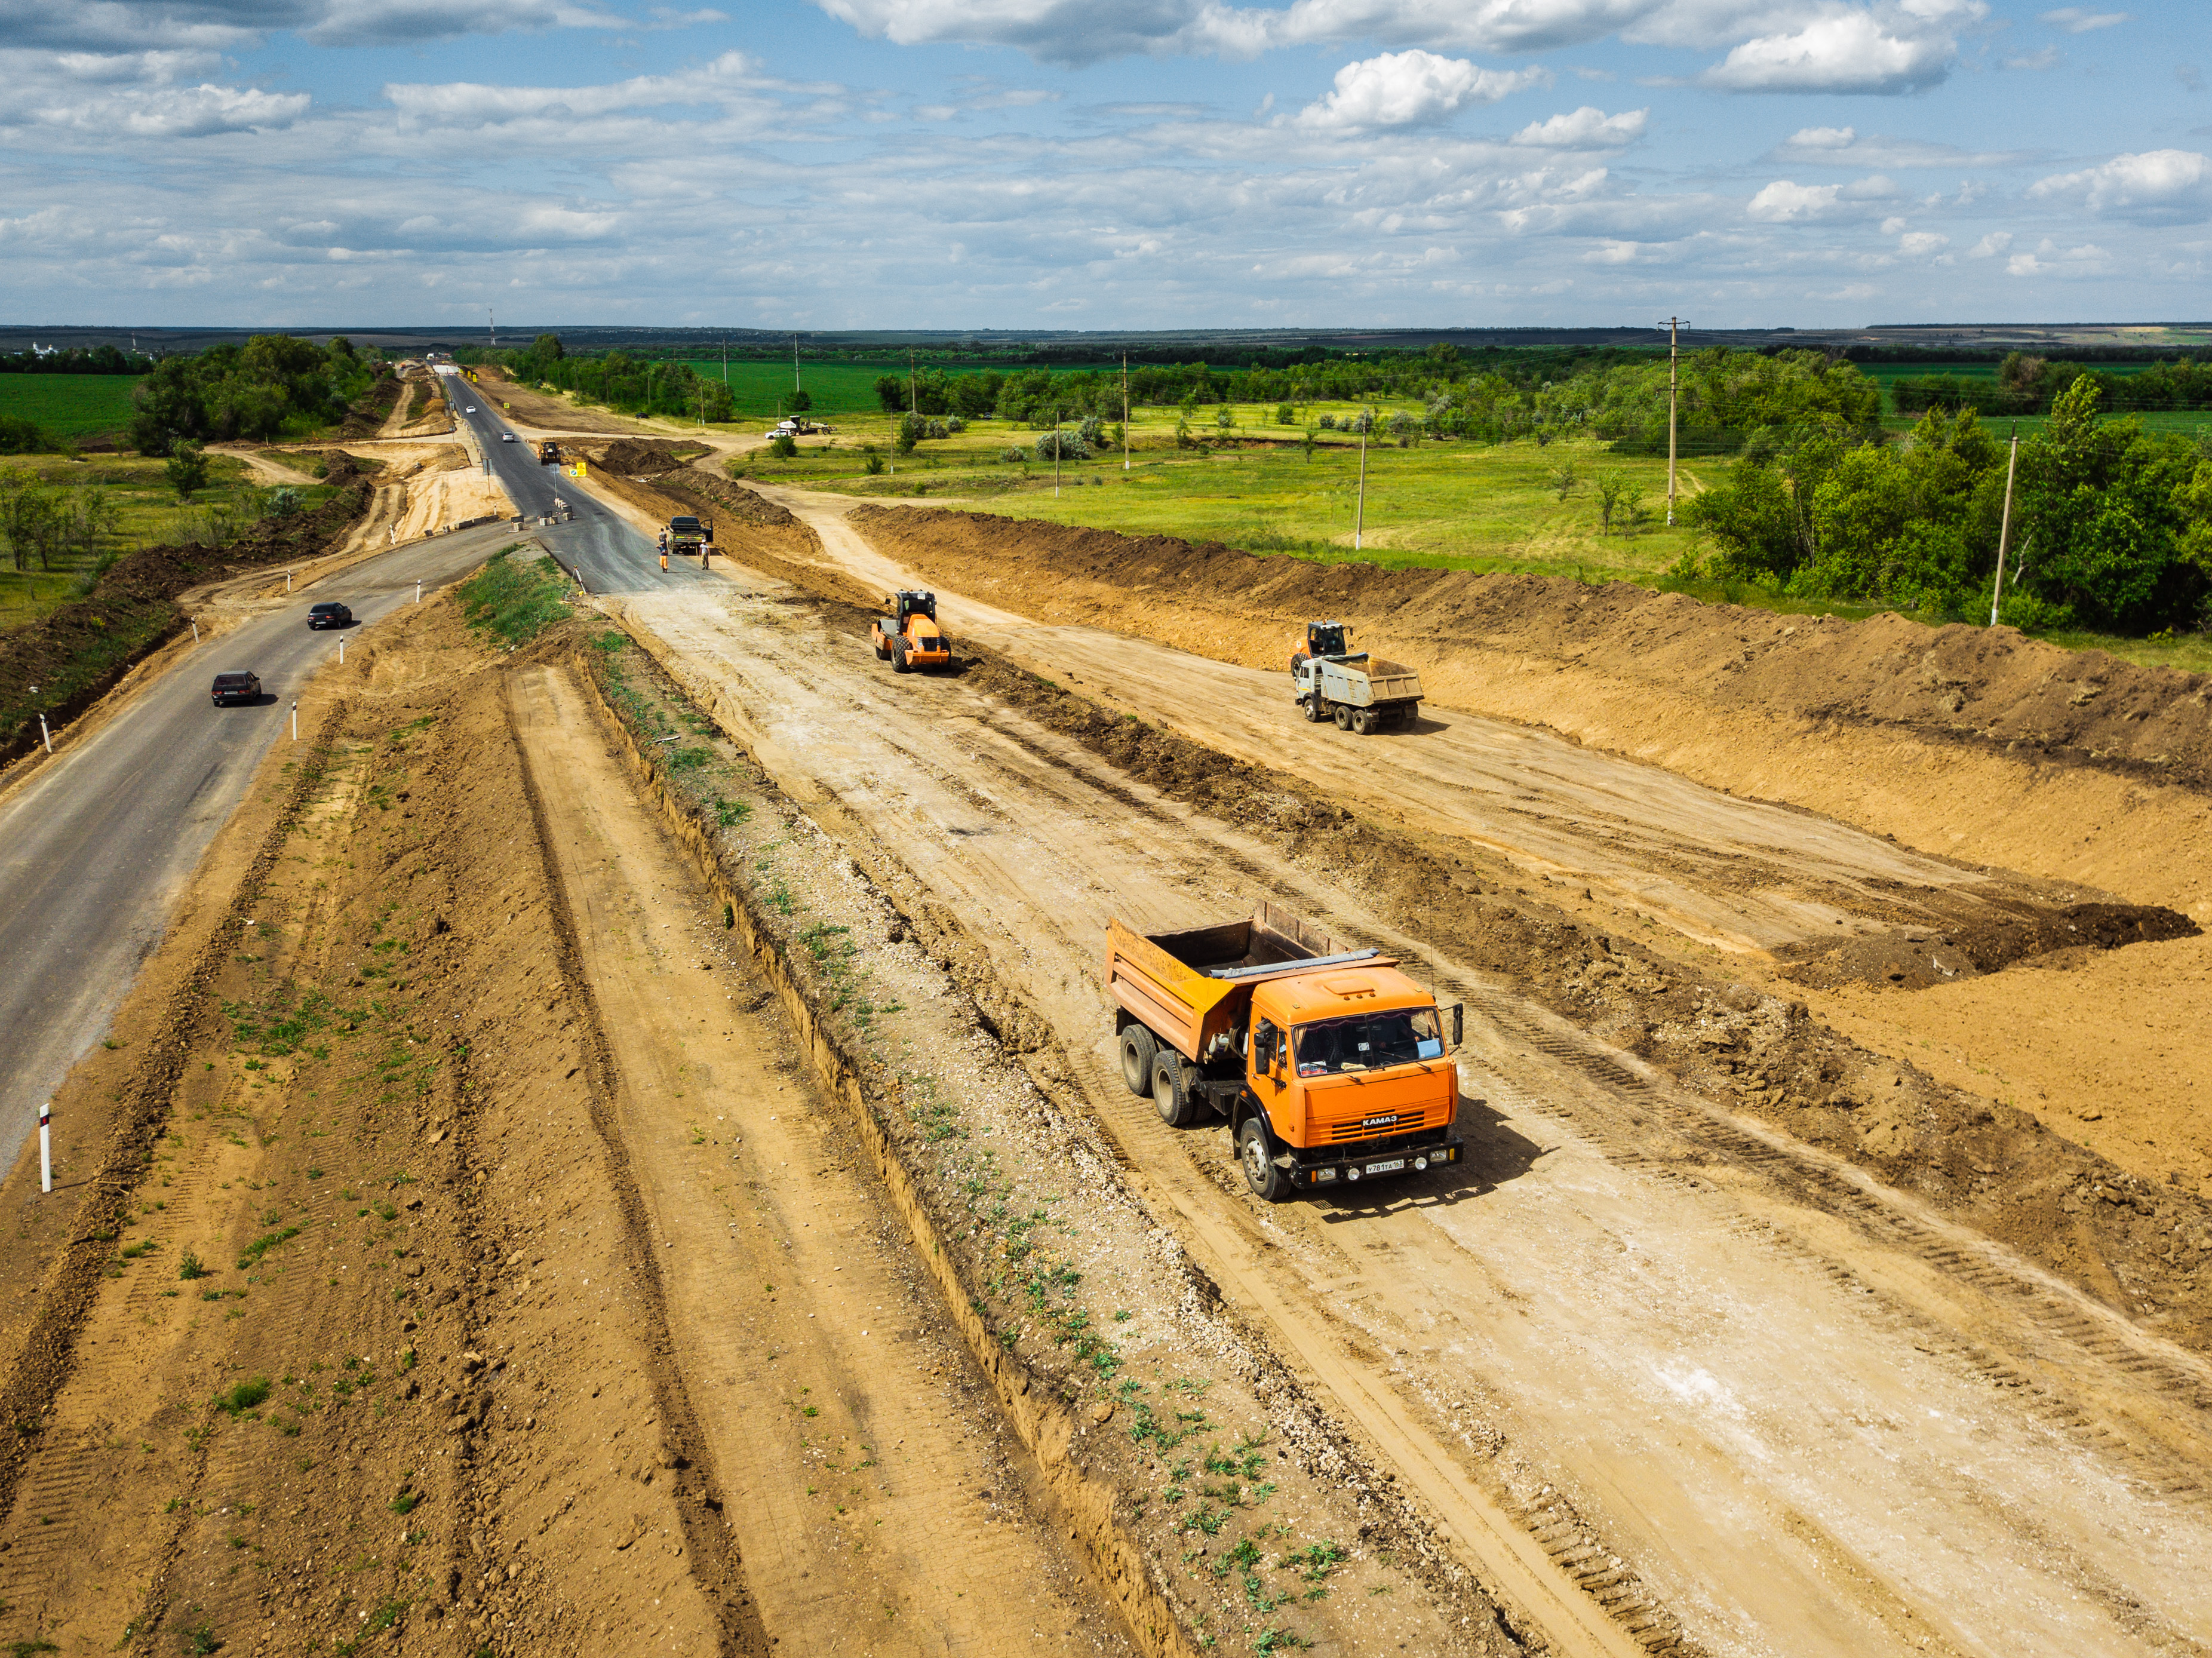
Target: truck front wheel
pixel 1138 1048
pixel 1315 709
pixel 1170 1098
pixel 1269 1184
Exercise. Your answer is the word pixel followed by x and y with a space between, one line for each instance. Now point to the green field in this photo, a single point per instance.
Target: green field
pixel 763 389
pixel 72 406
pixel 146 510
pixel 1460 506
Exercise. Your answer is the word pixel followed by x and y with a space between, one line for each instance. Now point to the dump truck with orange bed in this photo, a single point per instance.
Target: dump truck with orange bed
pixel 910 637
pixel 1330 1065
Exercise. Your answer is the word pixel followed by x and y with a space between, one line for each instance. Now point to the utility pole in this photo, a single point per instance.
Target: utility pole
pixel 1359 516
pixel 913 397
pixel 1673 331
pixel 726 362
pixel 795 386
pixel 2004 528
pixel 493 327
pixel 1125 411
pixel 1055 453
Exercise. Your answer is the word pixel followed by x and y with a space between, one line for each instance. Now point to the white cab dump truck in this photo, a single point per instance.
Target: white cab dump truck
pixel 1361 693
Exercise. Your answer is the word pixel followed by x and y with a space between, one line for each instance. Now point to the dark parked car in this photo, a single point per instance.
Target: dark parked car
pixel 329 615
pixel 237 688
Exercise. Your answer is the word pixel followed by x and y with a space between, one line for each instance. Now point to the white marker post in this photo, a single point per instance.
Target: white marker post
pixel 341 650
pixel 196 633
pixel 288 581
pixel 45 734
pixel 418 592
pixel 295 719
pixel 46 1147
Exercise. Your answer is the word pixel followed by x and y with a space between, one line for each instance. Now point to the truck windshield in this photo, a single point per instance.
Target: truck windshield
pixel 1368 1041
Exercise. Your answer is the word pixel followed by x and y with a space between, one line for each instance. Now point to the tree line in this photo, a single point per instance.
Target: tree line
pixel 2031 386
pixel 77 360
pixel 272 387
pixel 633 384
pixel 2111 524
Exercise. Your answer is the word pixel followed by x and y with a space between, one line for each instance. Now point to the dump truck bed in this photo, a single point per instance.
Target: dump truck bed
pixel 1192 988
pixel 1367 682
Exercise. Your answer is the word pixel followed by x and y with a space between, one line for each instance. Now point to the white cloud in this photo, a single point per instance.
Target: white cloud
pixel 1990 245
pixel 2046 57
pixel 1411 88
pixel 468 103
pixel 1842 147
pixel 1785 202
pixel 1888 49
pixel 1920 243
pixel 1585 129
pixel 1823 138
pixel 2080 20
pixel 164 112
pixel 2160 186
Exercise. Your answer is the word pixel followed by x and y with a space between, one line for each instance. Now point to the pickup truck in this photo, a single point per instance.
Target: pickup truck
pixel 686 534
pixel 1330 1065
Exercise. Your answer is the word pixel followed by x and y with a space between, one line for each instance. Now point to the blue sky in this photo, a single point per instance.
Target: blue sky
pixel 1051 163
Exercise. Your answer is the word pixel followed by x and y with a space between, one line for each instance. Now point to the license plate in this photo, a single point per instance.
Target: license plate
pixel 1391 1166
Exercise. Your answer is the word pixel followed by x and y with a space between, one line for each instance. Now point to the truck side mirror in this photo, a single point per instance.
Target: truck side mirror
pixel 1459 1023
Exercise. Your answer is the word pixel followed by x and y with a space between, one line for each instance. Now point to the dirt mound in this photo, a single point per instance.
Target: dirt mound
pixel 1984 1163
pixel 643 458
pixel 75 654
pixel 701 486
pixel 1973 684
pixel 1917 960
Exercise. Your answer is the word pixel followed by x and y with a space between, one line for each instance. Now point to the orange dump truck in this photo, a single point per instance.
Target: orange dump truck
pixel 1330 1066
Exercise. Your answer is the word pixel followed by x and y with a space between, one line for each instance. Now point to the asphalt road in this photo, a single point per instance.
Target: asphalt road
pixel 95 849
pixel 611 557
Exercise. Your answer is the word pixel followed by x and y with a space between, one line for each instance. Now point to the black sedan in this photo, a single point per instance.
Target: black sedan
pixel 329 615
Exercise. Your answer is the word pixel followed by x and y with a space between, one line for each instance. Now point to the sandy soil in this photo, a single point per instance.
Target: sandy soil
pixel 442 495
pixel 1666 1335
pixel 870 1489
pixel 1747 872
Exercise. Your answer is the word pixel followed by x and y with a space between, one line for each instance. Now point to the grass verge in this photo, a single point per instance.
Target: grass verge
pixel 514 600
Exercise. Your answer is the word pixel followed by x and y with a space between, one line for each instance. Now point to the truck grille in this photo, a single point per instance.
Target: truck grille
pixel 1367 1127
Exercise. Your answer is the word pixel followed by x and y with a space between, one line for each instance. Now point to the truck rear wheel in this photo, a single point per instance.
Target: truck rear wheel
pixel 1139 1045
pixel 1171 1098
pixel 1364 721
pixel 1343 712
pixel 1269 1184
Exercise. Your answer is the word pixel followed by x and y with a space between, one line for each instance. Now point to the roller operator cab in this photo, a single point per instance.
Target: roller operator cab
pixel 1331 1067
pixel 909 638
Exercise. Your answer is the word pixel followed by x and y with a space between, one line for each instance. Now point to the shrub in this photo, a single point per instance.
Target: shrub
pixel 1062 444
pixel 189 1267
pixel 782 445
pixel 187 469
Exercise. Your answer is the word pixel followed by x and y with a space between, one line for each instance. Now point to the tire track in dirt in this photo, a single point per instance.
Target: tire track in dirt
pixel 965 763
pixel 791 1290
pixel 700 1500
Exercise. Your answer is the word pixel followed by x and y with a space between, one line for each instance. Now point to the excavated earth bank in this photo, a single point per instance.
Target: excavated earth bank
pixel 1965 740
pixel 2130 1240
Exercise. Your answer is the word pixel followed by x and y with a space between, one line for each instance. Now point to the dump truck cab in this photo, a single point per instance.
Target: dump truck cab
pixel 1331 1067
pixel 909 638
pixel 1357 690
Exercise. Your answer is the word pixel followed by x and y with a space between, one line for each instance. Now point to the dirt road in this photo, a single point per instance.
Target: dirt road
pixel 870 1485
pixel 1736 1383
